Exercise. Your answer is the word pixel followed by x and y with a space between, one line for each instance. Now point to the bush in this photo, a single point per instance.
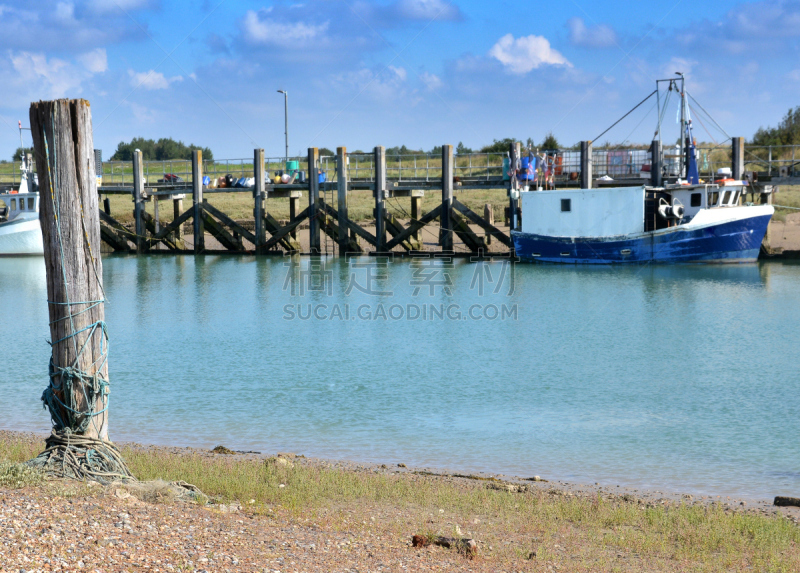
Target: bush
pixel 18 475
pixel 163 149
pixel 499 146
pixel 20 153
pixel 787 132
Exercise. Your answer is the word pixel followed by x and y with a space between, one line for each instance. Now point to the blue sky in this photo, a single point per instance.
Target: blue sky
pixel 413 72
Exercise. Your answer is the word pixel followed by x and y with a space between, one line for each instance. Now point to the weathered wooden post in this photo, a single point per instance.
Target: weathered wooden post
pixel 516 153
pixel 737 157
pixel 138 200
pixel 197 202
pixel 177 211
pixel 156 218
pixel 446 218
pixel 416 211
pixel 258 198
pixel 380 197
pixel 313 200
pixel 77 395
pixel 656 153
pixel 294 210
pixel 488 214
pixel 586 164
pixel 341 169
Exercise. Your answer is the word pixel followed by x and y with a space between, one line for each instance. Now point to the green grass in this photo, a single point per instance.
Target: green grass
pixel 579 533
pixel 360 204
pixel 16 475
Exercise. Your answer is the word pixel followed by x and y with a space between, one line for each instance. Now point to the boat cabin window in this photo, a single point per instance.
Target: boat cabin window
pixel 713 197
pixel 21 204
pixel 30 203
pixel 13 204
pixel 697 200
pixel 735 198
pixel 726 198
pixel 566 205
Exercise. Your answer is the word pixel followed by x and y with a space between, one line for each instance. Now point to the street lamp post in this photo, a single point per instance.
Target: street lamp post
pixel 286 119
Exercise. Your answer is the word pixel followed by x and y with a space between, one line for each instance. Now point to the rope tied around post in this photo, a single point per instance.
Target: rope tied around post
pixel 64 379
pixel 70 455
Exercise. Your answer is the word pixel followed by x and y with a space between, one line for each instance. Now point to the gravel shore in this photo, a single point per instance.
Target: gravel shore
pixel 68 526
pixel 89 531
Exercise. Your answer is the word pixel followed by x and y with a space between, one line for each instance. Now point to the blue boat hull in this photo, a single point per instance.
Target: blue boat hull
pixel 731 242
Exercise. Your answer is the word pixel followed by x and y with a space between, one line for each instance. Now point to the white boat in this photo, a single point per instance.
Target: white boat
pixel 686 220
pixel 20 231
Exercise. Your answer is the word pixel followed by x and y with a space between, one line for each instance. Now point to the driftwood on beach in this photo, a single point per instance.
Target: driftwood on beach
pixel 782 501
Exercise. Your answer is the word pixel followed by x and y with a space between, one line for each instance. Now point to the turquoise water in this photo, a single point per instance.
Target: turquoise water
pixel 680 378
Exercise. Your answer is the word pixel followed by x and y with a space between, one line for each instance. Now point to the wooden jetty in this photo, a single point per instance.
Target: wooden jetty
pixel 320 208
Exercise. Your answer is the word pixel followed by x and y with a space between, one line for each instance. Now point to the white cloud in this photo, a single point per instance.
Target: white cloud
pixel 431 81
pixel 598 36
pixel 95 61
pixel 427 10
pixel 399 72
pixel 152 80
pixel 117 5
pixel 678 65
pixel 526 53
pixel 271 32
pixel 53 78
pixel 386 85
pixel 143 114
pixel 65 11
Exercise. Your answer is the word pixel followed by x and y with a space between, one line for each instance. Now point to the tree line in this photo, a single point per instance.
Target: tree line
pixel 163 149
pixel 787 131
pixel 497 146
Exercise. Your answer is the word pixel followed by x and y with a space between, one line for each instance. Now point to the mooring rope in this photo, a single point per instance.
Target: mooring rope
pixel 82 458
pixel 69 453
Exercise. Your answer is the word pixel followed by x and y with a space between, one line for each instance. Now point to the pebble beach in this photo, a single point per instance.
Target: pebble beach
pixel 59 525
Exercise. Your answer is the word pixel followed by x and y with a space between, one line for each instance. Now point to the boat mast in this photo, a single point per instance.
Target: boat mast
pixel 683 126
pixel 21 147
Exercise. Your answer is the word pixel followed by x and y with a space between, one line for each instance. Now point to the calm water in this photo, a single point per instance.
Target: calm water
pixel 678 378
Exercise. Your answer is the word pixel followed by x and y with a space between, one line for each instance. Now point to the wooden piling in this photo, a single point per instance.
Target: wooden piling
pixel 737 157
pixel 516 153
pixel 177 211
pixel 258 199
pixel 197 202
pixel 380 197
pixel 156 218
pixel 656 154
pixel 138 200
pixel 446 217
pixel 294 210
pixel 62 138
pixel 586 164
pixel 313 200
pixel 341 170
pixel 488 214
pixel 416 213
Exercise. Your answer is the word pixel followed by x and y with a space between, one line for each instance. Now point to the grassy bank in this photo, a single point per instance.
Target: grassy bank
pixel 360 204
pixel 578 531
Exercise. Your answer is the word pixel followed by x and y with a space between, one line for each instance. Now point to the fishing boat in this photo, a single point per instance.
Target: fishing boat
pixel 20 231
pixel 684 220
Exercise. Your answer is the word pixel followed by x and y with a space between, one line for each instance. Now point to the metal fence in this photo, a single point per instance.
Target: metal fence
pixel 10 172
pixel 776 160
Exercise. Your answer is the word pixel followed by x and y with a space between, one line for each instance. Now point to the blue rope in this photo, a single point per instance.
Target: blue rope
pixel 66 414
